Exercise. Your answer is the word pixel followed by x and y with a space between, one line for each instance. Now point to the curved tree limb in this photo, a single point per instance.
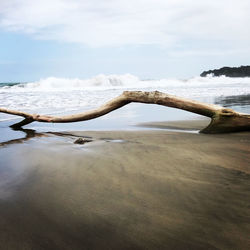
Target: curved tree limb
pixel 223 119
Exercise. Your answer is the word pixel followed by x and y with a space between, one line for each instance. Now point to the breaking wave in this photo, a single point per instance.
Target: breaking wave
pixel 103 82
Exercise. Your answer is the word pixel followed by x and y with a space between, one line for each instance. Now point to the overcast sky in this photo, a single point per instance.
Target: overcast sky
pixel 147 38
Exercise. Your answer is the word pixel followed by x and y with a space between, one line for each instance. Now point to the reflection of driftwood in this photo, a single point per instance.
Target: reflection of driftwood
pixel 222 119
pixel 30 133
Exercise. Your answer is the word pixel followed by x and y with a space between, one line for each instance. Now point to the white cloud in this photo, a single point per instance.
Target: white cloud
pixel 98 23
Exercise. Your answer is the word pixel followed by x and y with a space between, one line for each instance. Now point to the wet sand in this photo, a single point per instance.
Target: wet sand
pixel 152 189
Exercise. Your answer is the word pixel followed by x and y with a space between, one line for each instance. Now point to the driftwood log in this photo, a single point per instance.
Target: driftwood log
pixel 223 120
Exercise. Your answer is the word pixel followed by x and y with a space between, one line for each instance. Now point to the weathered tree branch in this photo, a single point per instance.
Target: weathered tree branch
pixel 222 119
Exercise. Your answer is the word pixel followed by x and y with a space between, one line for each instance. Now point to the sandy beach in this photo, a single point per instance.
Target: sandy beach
pixel 124 125
pixel 147 189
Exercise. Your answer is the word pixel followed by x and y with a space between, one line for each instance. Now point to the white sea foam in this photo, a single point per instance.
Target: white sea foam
pixel 103 82
pixel 59 95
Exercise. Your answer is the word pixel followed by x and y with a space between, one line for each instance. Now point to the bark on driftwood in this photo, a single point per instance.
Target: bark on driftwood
pixel 223 120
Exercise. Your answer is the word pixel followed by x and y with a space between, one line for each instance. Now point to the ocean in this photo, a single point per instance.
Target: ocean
pixel 57 96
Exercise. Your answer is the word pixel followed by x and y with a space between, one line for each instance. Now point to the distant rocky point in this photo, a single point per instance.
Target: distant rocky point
pixel 242 71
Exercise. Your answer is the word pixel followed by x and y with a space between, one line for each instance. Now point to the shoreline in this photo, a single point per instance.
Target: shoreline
pixel 144 189
pixel 188 126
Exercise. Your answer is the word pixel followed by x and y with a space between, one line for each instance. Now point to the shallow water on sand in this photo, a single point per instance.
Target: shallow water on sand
pixel 123 119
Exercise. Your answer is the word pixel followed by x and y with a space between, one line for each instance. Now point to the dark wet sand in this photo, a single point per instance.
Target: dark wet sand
pixel 126 190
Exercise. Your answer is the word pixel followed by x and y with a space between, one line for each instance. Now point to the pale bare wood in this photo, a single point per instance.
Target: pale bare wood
pixel 223 119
